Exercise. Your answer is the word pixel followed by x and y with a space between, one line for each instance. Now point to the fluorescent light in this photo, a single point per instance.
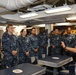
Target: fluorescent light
pixel 28 15
pixel 58 9
pixel 41 25
pixel 71 18
pixel 62 24
pixel 29 27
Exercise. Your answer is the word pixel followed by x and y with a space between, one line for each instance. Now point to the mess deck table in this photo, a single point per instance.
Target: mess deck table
pixel 27 69
pixel 55 61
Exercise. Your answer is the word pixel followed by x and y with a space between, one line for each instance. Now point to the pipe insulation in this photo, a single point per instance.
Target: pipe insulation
pixel 15 4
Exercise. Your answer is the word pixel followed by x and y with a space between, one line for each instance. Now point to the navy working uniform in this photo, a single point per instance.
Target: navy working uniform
pixel 9 43
pixel 43 42
pixel 33 46
pixel 24 46
pixel 55 40
pixel 70 41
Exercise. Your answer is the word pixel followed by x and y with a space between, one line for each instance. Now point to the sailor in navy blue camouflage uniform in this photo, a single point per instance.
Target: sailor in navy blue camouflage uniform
pixel 9 45
pixel 34 45
pixel 70 49
pixel 43 42
pixel 55 43
pixel 70 41
pixel 24 47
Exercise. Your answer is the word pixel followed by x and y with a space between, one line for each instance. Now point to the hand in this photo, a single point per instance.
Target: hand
pixel 14 52
pixel 27 53
pixel 45 46
pixel 63 44
pixel 36 50
pixel 53 46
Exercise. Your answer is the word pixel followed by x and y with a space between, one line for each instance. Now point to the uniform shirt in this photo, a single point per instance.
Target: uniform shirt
pixel 24 44
pixel 9 43
pixel 70 41
pixel 55 40
pixel 42 40
pixel 33 42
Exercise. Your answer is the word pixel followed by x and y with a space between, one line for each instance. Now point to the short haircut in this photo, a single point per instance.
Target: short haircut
pixel 33 28
pixel 8 26
pixel 68 28
pixel 56 28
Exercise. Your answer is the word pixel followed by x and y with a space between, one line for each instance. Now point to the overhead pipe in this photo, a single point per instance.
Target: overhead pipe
pixel 15 4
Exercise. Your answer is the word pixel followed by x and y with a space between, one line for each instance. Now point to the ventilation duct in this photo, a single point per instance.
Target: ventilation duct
pixel 72 1
pixel 15 4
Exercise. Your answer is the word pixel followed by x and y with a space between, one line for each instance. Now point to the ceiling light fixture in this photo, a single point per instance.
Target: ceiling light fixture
pixel 58 9
pixel 41 25
pixel 71 18
pixel 28 15
pixel 62 24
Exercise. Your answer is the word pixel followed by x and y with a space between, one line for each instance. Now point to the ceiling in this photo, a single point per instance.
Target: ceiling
pixel 37 6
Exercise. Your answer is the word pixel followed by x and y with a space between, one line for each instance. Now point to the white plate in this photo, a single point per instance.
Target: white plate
pixel 55 57
pixel 17 71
